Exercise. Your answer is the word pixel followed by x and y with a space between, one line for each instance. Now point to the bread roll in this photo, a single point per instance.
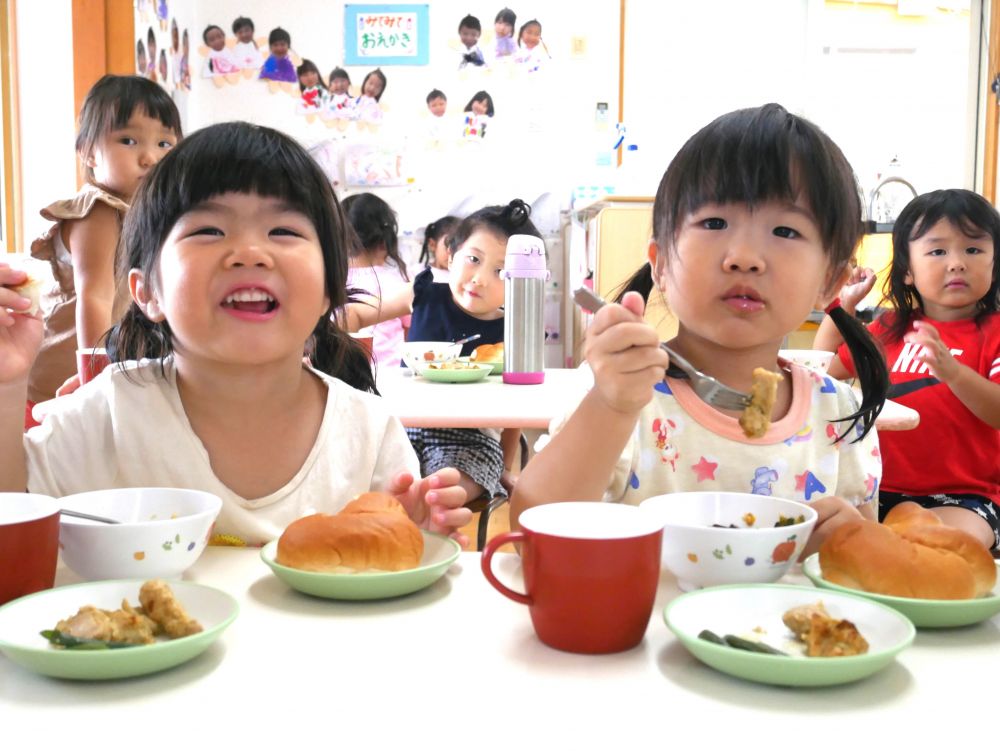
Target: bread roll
pixel 488 353
pixel 32 289
pixel 371 533
pixel 913 554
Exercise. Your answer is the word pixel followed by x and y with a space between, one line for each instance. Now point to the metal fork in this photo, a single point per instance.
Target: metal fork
pixel 707 388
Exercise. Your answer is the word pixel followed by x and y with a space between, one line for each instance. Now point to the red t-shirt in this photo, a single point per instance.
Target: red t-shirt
pixel 952 450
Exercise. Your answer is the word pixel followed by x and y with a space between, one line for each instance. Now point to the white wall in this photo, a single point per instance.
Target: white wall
pixel 47 121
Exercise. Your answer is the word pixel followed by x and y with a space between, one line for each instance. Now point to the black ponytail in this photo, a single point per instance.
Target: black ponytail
pixel 435 231
pixel 135 337
pixel 333 351
pixel 641 281
pixel 869 364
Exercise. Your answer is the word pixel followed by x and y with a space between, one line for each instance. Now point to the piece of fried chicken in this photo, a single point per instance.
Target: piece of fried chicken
pixel 159 603
pixel 125 626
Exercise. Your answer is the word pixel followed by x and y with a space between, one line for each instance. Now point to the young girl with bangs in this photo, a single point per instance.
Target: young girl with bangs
pixel 235 251
pixel 755 222
pixel 471 302
pixel 942 344
pixel 127 124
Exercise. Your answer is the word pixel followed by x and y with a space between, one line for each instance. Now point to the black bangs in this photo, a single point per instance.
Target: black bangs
pixel 235 157
pixel 763 154
pixel 160 108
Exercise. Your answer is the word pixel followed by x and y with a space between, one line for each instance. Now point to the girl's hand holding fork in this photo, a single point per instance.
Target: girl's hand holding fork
pixel 625 356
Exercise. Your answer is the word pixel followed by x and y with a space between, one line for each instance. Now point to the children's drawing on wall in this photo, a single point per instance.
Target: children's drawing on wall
pixel 368 111
pixel 140 58
pixel 246 51
pixel 503 27
pixel 151 55
pixel 162 69
pixel 162 13
pixel 469 31
pixel 185 64
pixel 478 113
pixel 279 69
pixel 175 53
pixel 532 53
pixel 314 95
pixel 145 10
pixel 339 109
pixel 438 130
pixel 220 64
pixel 370 165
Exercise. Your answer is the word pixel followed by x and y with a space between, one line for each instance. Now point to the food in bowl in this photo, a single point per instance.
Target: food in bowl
pixel 418 355
pixel 701 554
pixel 160 614
pixel 161 532
pixel 912 554
pixel 371 533
pixel 816 359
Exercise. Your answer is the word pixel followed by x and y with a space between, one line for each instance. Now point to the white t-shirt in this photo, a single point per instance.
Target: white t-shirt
pixel 123 431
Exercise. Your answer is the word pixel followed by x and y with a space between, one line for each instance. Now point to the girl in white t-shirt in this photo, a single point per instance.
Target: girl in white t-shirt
pixel 235 253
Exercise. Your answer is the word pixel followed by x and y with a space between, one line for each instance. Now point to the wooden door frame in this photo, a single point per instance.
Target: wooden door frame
pixel 992 105
pixel 11 134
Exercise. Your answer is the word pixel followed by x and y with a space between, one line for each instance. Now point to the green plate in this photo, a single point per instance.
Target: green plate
pixel 22 619
pixel 447 375
pixel 741 608
pixel 439 553
pixel 923 613
pixel 497 366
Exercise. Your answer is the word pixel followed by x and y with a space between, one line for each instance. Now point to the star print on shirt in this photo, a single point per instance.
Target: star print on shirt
pixel 705 469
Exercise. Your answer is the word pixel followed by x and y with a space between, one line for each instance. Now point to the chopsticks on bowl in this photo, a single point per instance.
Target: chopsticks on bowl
pixel 91 517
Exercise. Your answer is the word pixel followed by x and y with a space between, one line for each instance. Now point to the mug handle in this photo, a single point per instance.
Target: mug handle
pixel 487 564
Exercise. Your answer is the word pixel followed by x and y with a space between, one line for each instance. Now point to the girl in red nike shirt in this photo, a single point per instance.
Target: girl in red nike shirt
pixel 942 345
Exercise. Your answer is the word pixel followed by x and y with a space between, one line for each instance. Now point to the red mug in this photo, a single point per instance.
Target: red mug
pixel 591 570
pixel 90 362
pixel 29 544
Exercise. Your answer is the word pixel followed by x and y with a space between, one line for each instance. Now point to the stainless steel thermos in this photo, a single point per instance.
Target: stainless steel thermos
pixel 524 276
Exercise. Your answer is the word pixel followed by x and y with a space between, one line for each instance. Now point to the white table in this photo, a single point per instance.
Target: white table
pixel 490 403
pixel 455 665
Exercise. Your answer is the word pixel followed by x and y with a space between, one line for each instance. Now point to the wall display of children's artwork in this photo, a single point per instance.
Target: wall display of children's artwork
pixel 386 35
pixel 367 165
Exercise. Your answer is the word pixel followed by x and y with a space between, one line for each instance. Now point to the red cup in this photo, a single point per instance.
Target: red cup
pixel 29 544
pixel 590 570
pixel 90 362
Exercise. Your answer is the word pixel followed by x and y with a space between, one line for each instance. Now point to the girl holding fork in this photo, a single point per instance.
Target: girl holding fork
pixel 746 243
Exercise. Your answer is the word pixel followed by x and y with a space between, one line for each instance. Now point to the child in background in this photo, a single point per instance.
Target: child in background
pixel 434 253
pixel 754 225
pixel 503 25
pixel 470 303
pixel 312 88
pixel 220 58
pixel 532 52
pixel 246 52
pixel 233 273
pixel 377 268
pixel 469 31
pixel 278 66
pixel 481 104
pixel 942 343
pixel 127 124
pixel 437 102
pixel 372 87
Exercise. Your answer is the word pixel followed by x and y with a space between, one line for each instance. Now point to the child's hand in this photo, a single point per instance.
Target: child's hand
pixel 20 334
pixel 935 355
pixel 624 354
pixel 858 285
pixel 436 503
pixel 833 512
pixel 70 385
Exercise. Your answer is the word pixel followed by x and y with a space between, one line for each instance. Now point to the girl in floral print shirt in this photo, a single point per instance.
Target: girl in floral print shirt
pixel 755 223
